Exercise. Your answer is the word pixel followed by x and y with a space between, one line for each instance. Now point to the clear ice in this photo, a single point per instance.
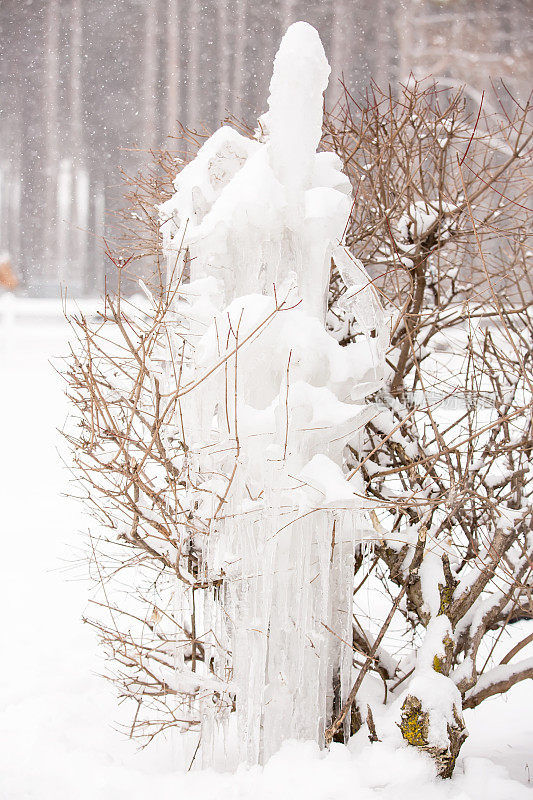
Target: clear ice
pixel 268 400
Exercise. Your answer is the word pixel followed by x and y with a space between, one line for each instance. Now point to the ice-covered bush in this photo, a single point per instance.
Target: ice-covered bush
pixel 312 487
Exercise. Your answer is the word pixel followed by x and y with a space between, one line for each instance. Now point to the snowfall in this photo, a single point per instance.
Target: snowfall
pixel 61 726
pixel 63 732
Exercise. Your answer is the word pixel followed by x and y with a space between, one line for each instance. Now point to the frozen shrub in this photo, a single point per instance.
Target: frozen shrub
pixel 310 532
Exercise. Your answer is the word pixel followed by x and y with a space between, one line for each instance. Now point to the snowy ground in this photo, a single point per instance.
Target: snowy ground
pixel 57 716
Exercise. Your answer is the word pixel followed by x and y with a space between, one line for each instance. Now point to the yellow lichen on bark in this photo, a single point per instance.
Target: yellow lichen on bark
pixel 414 726
pixel 414 723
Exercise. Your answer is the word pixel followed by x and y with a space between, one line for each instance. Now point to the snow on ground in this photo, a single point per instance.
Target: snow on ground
pixel 58 737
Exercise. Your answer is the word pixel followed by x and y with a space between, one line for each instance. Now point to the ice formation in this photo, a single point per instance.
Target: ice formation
pixel 268 399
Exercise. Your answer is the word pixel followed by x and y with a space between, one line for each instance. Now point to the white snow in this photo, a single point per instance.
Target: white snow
pixel 420 217
pixel 501 673
pixel 57 716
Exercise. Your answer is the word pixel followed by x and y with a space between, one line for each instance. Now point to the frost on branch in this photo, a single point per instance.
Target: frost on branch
pixel 268 401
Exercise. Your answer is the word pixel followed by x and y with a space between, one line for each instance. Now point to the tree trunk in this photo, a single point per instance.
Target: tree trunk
pixel 238 64
pixel 150 75
pixel 223 59
pixel 432 717
pixel 193 71
pixel 414 725
pixel 80 186
pixel 172 67
pixel 51 95
pixel 338 52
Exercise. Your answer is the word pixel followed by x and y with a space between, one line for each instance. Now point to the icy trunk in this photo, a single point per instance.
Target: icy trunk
pixel 269 399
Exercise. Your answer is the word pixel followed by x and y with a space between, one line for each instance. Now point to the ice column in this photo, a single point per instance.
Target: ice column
pixel 276 400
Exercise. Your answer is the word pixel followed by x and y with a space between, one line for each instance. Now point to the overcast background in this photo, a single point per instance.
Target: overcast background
pixel 88 86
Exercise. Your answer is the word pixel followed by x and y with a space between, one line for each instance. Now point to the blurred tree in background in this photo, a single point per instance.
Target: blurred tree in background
pixel 89 86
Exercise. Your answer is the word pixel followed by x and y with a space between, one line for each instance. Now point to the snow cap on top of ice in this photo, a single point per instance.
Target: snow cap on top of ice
pixel 293 122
